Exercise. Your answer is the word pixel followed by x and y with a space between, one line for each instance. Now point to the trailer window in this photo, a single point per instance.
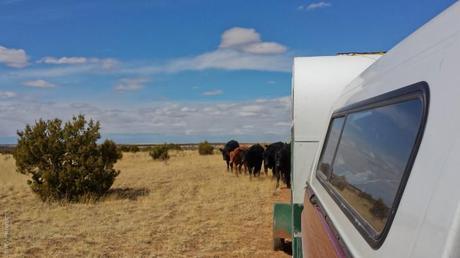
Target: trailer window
pixel 372 156
pixel 325 165
pixel 368 154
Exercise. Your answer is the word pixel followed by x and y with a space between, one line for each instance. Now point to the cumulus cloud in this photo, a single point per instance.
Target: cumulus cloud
pixel 248 40
pixel 239 49
pixel 106 63
pixel 316 5
pixel 264 48
pixel 39 84
pixel 16 58
pixel 238 36
pixel 212 93
pixel 251 120
pixel 130 84
pixel 229 59
pixel 7 94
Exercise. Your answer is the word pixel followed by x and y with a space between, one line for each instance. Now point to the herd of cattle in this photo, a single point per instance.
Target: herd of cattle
pixel 276 156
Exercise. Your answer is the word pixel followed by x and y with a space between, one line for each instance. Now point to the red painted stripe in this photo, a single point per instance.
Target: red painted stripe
pixel 337 247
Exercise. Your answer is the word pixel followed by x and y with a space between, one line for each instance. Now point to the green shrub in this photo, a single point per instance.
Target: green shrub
pixel 129 148
pixel 65 161
pixel 173 146
pixel 134 148
pixel 160 152
pixel 204 148
pixel 7 150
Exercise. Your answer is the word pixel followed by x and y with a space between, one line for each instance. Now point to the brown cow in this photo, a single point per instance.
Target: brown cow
pixel 237 159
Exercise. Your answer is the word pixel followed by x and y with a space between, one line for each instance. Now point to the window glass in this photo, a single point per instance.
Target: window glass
pixel 372 156
pixel 325 164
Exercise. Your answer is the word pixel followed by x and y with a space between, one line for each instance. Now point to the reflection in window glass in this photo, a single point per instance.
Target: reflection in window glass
pixel 372 156
pixel 325 164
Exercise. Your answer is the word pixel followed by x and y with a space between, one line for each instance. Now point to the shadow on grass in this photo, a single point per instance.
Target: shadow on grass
pixel 127 193
pixel 287 248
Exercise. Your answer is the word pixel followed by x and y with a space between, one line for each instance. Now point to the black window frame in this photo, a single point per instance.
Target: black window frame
pixel 418 90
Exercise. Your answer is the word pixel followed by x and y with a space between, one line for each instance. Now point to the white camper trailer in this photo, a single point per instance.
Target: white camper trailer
pixel 316 84
pixel 385 181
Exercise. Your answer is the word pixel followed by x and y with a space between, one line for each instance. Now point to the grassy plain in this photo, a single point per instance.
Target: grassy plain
pixel 186 207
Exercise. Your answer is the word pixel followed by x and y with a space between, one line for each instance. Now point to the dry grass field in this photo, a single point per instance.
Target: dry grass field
pixel 187 207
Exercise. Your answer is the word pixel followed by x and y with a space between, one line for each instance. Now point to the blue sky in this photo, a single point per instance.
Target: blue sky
pixel 155 71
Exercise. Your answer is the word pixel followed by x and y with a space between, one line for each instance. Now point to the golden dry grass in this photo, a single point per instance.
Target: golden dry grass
pixel 187 207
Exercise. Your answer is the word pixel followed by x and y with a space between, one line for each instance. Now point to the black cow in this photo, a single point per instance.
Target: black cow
pixel 229 147
pixel 254 158
pixel 283 165
pixel 269 156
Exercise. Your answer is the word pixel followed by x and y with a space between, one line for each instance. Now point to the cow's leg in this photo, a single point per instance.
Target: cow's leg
pixel 274 172
pixel 277 179
pixel 287 176
pixel 228 165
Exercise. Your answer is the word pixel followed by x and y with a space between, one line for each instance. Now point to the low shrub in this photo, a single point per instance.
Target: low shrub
pixel 7 150
pixel 129 148
pixel 204 148
pixel 173 146
pixel 159 152
pixel 134 148
pixel 65 161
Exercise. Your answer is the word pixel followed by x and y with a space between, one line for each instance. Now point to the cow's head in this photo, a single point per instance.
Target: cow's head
pixel 225 154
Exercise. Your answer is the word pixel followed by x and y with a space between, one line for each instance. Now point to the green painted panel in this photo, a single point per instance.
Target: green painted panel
pixel 296 225
pixel 297 247
pixel 282 220
pixel 296 214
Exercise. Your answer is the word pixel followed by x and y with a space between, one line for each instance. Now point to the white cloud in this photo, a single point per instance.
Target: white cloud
pixel 39 84
pixel 268 119
pixel 213 93
pixel 130 84
pixel 230 59
pixel 239 49
pixel 63 60
pixel 16 58
pixel 238 36
pixel 105 63
pixel 248 40
pixel 314 6
pixel 7 94
pixel 264 48
pixel 271 82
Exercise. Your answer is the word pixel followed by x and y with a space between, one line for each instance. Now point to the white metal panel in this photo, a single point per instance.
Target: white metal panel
pixel 303 162
pixel 317 82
